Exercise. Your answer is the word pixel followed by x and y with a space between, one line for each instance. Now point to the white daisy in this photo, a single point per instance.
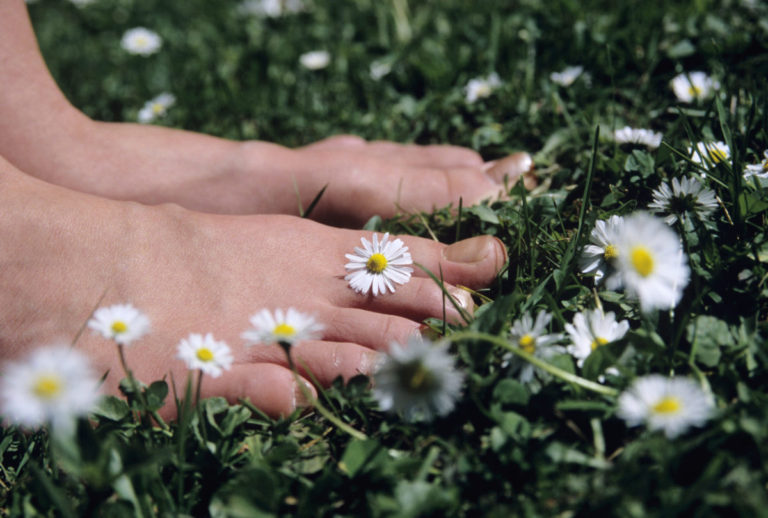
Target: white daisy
pixel 529 335
pixel 710 153
pixel 644 137
pixel 600 255
pixel 315 60
pixel 567 76
pixel 590 330
pixel 378 265
pixel 53 385
pixel 668 404
pixel 760 170
pixel 156 107
pixel 270 8
pixel 418 379
pixel 379 69
pixel 123 323
pixel 481 87
pixel 685 199
pixel 693 86
pixel 141 41
pixel 650 264
pixel 206 354
pixel 283 327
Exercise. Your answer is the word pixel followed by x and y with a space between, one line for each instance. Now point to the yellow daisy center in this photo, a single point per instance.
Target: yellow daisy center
pixel 483 90
pixel 284 329
pixel 597 342
pixel 694 91
pixel 48 386
pixel 642 260
pixel 610 252
pixel 118 326
pixel 157 108
pixel 376 263
pixel 716 154
pixel 419 378
pixel 204 354
pixel 667 405
pixel 527 343
pixel 141 41
pixel 765 165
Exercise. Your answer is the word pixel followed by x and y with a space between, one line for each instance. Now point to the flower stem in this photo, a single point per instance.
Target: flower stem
pixel 551 369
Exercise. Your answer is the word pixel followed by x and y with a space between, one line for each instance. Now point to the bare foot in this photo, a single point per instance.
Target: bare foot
pixel 192 272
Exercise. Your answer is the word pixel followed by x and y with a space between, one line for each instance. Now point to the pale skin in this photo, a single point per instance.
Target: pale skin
pixel 198 233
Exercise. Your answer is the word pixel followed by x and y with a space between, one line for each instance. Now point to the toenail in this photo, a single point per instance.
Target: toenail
pixel 369 361
pixel 302 394
pixel 472 250
pixel 512 167
pixel 462 297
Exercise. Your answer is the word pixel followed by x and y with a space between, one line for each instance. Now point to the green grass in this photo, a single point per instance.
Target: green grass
pixel 506 450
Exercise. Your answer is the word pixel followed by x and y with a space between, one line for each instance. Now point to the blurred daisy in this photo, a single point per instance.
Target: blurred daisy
pixel 668 404
pixel 531 337
pixel 141 41
pixel 270 8
pixel 315 60
pixel 418 379
pixel 592 329
pixel 650 264
pixel 122 323
pixel 685 199
pixel 693 86
pixel 378 265
pixel 82 3
pixel 644 137
pixel 205 354
pixel 53 385
pixel 156 107
pixel 567 76
pixel 760 170
pixel 379 69
pixel 710 153
pixel 600 255
pixel 481 87
pixel 282 327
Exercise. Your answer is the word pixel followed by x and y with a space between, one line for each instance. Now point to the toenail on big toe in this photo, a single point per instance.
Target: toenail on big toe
pixel 511 167
pixel 473 250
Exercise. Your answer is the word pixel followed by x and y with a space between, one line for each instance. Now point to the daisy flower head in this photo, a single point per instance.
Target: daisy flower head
pixel 530 335
pixel 671 405
pixel 315 60
pixel 122 323
pixel 650 264
pixel 155 108
pixel 282 327
pixel 204 353
pixel 710 154
pixel 481 87
pixel 567 76
pixel 379 69
pixel 592 329
pixel 53 385
pixel 270 8
pixel 759 170
pixel 693 86
pixel 141 41
pixel 418 379
pixel 687 198
pixel 378 265
pixel 600 255
pixel 643 137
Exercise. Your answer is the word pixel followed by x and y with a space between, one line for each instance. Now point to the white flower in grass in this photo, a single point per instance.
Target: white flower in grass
pixel 759 170
pixel 205 354
pixel 685 199
pixel 418 379
pixel 53 385
pixel 379 69
pixel 481 87
pixel 283 327
pixel 378 265
pixel 693 86
pixel 710 154
pixel 315 60
pixel 592 329
pixel 270 8
pixel 644 137
pixel 141 41
pixel 123 323
pixel 567 76
pixel 600 255
pixel 156 107
pixel 651 264
pixel 531 337
pixel 668 404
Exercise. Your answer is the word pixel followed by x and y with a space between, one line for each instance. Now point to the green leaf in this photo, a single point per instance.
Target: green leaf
pixel 112 408
pixel 707 335
pixel 361 455
pixel 484 213
pixel 511 392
